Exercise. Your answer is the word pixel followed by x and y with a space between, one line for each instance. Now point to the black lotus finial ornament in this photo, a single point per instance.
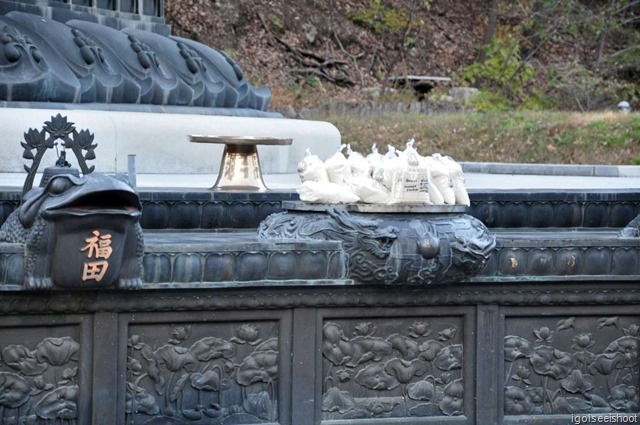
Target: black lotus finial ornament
pixel 37 142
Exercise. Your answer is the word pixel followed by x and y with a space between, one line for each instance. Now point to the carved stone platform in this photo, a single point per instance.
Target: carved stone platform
pixel 553 254
pixel 216 260
pixel 550 328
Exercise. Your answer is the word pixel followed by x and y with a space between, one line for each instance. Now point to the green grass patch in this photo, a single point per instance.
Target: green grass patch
pixel 520 136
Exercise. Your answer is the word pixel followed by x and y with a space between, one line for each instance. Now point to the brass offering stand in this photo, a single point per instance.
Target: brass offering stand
pixel 240 165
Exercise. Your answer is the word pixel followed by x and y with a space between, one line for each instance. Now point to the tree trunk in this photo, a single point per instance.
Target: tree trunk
pixel 605 33
pixel 490 30
pixel 533 34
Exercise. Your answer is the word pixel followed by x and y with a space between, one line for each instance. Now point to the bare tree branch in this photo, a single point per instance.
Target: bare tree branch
pixel 354 59
pixel 321 65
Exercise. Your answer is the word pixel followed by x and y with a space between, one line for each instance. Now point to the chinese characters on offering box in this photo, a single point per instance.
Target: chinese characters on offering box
pixel 98 248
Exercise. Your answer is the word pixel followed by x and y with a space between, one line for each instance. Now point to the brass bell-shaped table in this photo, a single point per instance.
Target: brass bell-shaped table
pixel 240 165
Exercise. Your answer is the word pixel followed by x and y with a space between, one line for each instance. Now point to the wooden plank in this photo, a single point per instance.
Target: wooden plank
pixel 418 78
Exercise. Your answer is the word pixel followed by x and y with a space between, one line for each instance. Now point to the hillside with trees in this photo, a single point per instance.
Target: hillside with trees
pixel 550 72
pixel 565 54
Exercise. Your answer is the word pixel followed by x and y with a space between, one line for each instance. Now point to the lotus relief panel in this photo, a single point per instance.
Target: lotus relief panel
pixel 570 365
pixel 39 378
pixel 203 373
pixel 392 368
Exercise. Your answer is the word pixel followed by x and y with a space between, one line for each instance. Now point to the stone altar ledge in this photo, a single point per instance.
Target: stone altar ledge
pixel 159 140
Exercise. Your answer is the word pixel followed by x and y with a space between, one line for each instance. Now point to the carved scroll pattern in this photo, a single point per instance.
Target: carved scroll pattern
pixel 392 368
pixel 198 376
pixel 367 243
pixel 573 365
pixel 40 385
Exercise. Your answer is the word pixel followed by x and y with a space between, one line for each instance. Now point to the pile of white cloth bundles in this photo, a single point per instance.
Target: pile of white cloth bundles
pixel 398 177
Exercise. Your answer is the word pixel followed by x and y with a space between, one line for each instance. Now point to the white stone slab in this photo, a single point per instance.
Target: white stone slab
pixel 159 140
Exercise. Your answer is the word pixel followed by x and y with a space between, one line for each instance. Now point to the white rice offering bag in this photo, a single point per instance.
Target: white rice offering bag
pixel 359 164
pixel 388 165
pixel 311 168
pixel 441 178
pixel 369 190
pixel 338 168
pixel 377 169
pixel 326 193
pixel 435 196
pixel 375 157
pixel 457 176
pixel 410 180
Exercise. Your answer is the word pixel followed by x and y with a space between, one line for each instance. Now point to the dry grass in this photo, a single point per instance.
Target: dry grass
pixel 527 137
pixel 578 119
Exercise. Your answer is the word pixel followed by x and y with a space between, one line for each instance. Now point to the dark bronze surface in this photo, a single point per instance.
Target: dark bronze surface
pixel 79 233
pixel 82 62
pixel 393 248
